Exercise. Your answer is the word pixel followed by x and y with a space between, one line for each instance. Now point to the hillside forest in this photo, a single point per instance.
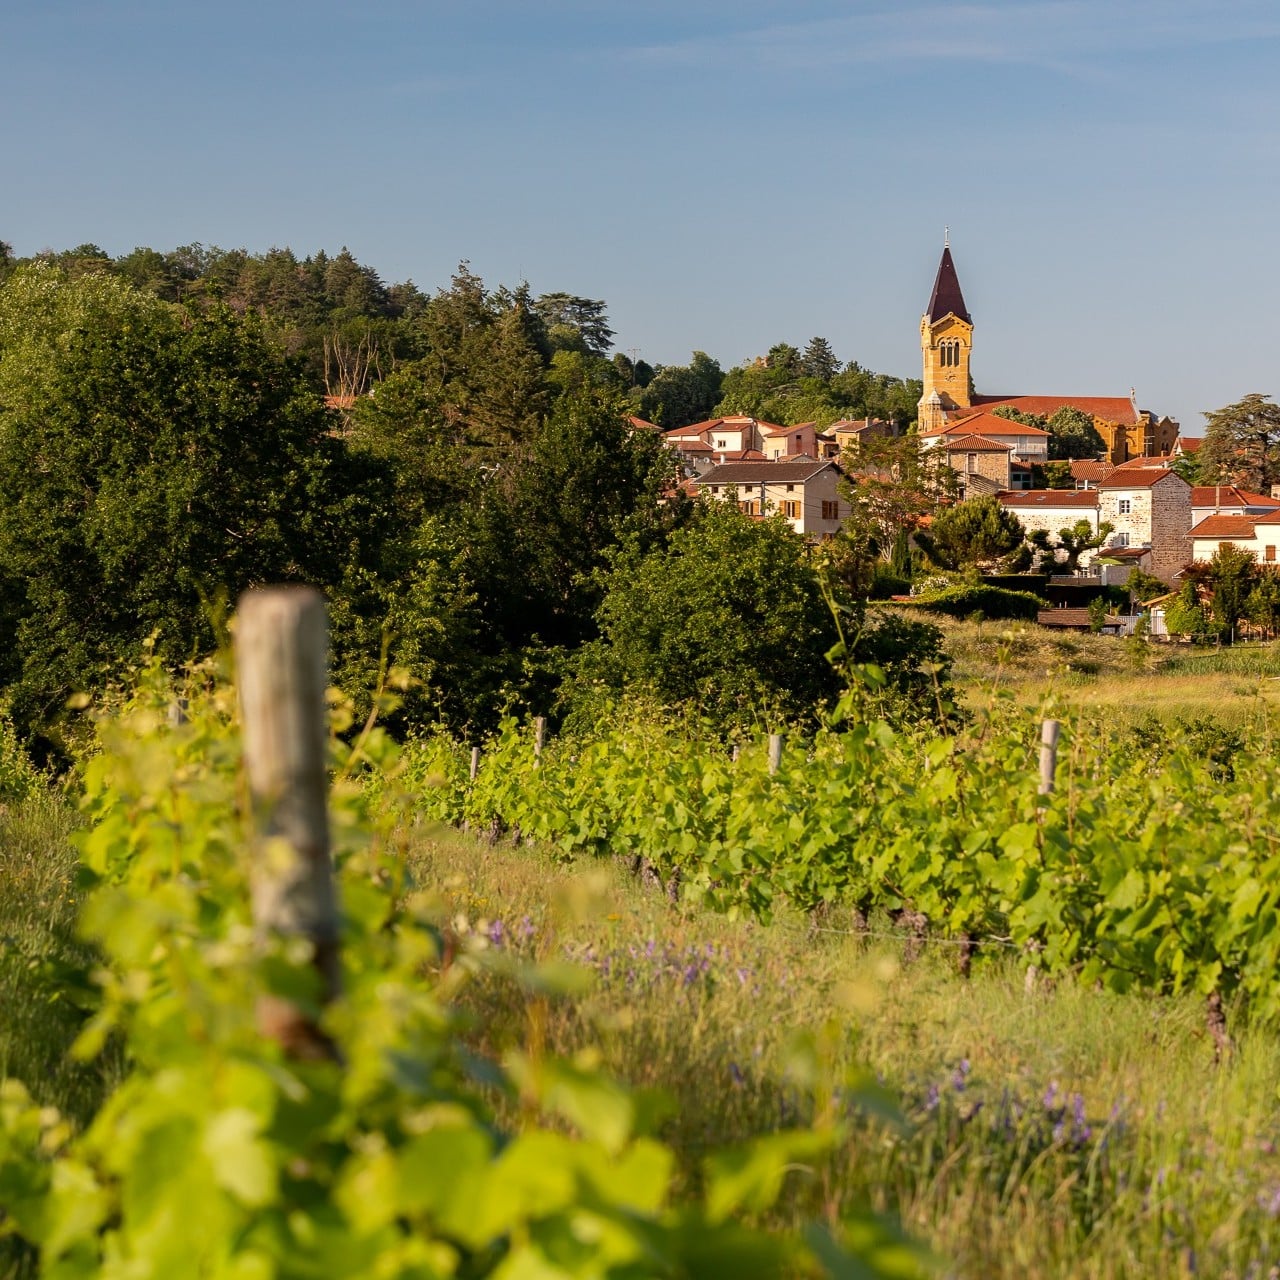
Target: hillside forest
pixel 454 468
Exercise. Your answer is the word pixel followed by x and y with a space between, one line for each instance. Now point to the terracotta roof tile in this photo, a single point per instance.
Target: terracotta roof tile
pixel 790 471
pixel 1131 477
pixel 1073 499
pixel 1224 527
pixel 1109 408
pixel 1089 469
pixel 975 444
pixel 979 422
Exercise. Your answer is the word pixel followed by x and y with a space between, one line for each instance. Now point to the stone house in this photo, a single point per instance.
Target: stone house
pixel 803 490
pixel 1148 507
pixel 802 440
pixel 1257 534
pixel 984 466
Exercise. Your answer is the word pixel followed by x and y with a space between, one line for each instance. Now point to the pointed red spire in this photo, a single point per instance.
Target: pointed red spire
pixel 946 298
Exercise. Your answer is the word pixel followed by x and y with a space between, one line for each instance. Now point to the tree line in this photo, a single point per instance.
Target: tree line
pixel 457 470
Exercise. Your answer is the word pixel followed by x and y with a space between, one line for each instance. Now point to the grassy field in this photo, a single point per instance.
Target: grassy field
pixel 40 956
pixel 1051 1132
pixel 1121 679
pixel 1028 1132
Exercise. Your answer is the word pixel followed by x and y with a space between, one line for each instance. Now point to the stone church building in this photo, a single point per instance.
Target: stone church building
pixel 949 405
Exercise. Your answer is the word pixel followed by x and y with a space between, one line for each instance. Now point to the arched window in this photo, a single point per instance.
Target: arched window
pixel 949 353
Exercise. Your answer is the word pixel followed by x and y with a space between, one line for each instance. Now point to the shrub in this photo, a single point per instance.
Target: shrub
pixel 991 602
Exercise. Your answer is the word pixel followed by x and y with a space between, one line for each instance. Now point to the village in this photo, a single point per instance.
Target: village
pixel 1130 514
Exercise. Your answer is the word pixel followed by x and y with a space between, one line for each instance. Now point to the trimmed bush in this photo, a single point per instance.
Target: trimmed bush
pixel 1036 583
pixel 991 602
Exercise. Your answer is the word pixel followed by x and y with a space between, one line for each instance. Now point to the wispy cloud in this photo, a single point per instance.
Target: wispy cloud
pixel 1051 33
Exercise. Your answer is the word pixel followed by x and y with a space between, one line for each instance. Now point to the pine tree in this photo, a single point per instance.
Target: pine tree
pixel 819 360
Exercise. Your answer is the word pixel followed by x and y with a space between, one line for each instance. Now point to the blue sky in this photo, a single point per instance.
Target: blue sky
pixel 725 175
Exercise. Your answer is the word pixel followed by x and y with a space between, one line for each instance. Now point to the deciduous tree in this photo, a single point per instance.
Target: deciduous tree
pixel 1242 445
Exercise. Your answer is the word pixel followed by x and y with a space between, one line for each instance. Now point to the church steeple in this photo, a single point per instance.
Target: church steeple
pixel 946 298
pixel 946 340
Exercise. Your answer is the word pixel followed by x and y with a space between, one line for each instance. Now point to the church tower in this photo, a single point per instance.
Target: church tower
pixel 946 340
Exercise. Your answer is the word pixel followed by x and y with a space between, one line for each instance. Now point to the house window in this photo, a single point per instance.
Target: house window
pixel 830 510
pixel 1126 506
pixel 749 508
pixel 1271 553
pixel 791 488
pixel 715 488
pixel 720 444
pixel 1121 540
pixel 748 488
pixel 971 462
pixel 791 510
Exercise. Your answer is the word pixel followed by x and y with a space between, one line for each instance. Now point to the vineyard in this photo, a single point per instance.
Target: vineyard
pixel 382 1131
pixel 1154 864
pixel 357 1138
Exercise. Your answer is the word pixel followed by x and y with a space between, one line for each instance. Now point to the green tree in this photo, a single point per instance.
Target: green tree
pixel 575 324
pixel 1144 586
pixel 1262 607
pixel 1073 541
pixel 975 532
pixel 1242 445
pixel 819 360
pixel 728 619
pixel 678 395
pixel 1073 435
pixel 1016 415
pixel 1184 615
pixel 151 462
pixel 891 484
pixel 1233 572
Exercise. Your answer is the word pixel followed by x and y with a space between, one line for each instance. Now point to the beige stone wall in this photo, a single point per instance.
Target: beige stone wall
pixel 987 463
pixel 813 508
pixel 1158 516
pixel 950 381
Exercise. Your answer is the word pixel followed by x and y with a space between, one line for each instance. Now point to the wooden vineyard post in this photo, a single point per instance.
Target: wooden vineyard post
pixel 475 763
pixel 1048 755
pixel 775 752
pixel 281 663
pixel 539 735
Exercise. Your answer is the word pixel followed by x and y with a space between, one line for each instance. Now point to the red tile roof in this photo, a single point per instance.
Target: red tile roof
pixel 1109 408
pixel 788 470
pixel 733 423
pixel 1149 460
pixel 1224 527
pixel 785 431
pixel 1129 476
pixel 641 425
pixel 1090 470
pixel 974 444
pixel 1189 444
pixel 1083 499
pixel 1227 495
pixel 979 422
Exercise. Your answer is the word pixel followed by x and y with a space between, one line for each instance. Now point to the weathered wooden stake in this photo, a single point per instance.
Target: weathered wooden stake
pixel 475 762
pixel 734 755
pixel 775 752
pixel 281 661
pixel 539 735
pixel 1048 755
